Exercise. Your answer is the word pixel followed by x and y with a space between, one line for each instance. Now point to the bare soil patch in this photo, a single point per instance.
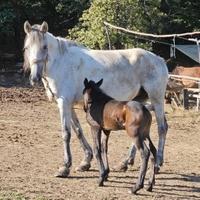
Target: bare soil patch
pixel 31 151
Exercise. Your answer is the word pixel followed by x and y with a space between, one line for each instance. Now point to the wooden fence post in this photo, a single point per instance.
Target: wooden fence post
pixel 185 99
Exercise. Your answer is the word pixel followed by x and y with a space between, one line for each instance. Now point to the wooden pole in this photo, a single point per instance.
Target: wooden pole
pixel 151 35
pixel 185 99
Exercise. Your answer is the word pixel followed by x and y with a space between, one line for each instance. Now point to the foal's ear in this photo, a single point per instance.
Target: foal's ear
pixel 44 27
pixel 85 82
pixel 27 27
pixel 99 83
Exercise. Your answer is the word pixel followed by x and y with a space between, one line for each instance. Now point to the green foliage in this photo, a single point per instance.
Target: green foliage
pixel 87 17
pixel 153 16
pixel 60 14
pixel 90 29
pixel 6 18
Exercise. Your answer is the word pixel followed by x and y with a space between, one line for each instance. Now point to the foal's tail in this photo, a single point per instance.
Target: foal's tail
pixel 152 148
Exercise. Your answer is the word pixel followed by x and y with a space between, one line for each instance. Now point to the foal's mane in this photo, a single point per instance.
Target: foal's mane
pixel 98 94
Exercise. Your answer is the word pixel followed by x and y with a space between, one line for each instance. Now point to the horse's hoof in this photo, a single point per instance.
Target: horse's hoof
pixel 159 161
pixel 83 167
pixel 100 183
pixel 136 188
pixel 149 188
pixel 131 162
pixel 133 191
pixel 63 172
pixel 121 168
pixel 157 169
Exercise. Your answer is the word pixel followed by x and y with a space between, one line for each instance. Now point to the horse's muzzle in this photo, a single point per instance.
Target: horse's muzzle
pixel 35 79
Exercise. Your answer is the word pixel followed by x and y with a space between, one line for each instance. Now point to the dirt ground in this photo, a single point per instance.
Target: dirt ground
pixel 31 151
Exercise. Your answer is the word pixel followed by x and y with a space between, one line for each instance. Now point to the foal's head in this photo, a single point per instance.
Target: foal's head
pixel 88 91
pixel 35 50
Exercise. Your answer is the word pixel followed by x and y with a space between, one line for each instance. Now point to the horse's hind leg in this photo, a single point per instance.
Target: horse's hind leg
pixel 152 166
pixel 162 131
pixel 144 152
pixel 123 166
pixel 85 164
pixel 156 96
pixel 104 152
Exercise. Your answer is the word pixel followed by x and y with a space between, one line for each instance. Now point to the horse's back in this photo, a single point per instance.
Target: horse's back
pixel 139 63
pixel 123 71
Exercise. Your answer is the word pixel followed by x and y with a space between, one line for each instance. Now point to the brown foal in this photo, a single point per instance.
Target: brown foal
pixel 106 114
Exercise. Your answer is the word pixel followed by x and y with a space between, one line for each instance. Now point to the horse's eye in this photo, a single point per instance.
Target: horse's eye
pixel 45 47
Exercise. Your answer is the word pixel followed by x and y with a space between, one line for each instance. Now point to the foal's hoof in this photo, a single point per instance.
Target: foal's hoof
pixel 83 167
pixel 106 177
pixel 121 168
pixel 63 172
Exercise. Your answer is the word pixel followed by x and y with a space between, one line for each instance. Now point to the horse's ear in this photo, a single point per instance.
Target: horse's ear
pixel 27 27
pixel 44 27
pixel 99 83
pixel 85 82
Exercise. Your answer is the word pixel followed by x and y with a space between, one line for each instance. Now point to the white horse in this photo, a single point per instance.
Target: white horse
pixel 63 65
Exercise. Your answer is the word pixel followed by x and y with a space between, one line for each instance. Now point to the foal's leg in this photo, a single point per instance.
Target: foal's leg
pixel 85 164
pixel 96 135
pixel 152 165
pixel 144 152
pixel 104 152
pixel 65 115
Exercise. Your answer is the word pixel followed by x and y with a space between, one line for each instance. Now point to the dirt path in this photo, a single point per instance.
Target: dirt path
pixel 31 151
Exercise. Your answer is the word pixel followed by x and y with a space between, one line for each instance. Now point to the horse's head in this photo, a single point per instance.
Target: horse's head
pixel 35 50
pixel 89 87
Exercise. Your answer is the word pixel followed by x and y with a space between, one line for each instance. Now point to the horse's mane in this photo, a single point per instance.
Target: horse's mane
pixel 64 44
pixel 36 36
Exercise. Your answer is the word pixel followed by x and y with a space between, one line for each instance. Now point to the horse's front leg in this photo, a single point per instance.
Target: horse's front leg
pixel 85 164
pixel 162 132
pixel 65 115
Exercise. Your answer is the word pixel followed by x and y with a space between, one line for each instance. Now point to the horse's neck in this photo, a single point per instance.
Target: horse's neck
pixel 53 47
pixel 51 66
